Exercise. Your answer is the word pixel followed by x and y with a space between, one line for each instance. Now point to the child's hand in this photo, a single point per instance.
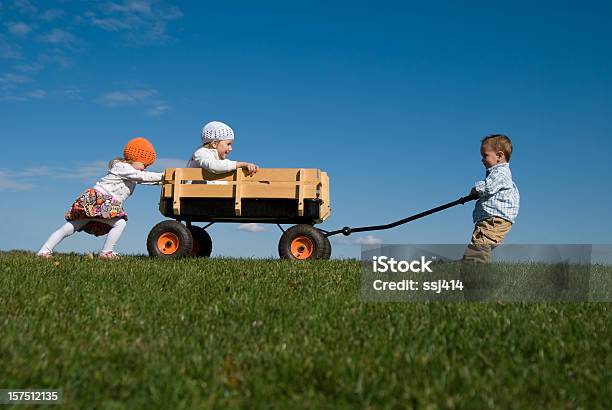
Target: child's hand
pixel 251 168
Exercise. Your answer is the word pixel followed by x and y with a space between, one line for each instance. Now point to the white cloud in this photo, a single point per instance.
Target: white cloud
pixel 146 97
pixel 37 94
pixel 33 172
pixel 158 109
pixel 26 172
pixel 18 29
pixel 129 6
pixel 29 68
pixel 61 38
pixel 69 93
pixel 17 180
pixel 58 41
pixel 24 6
pixel 137 22
pixel 57 57
pixel 251 227
pixel 365 240
pixel 9 50
pixel 109 24
pixel 127 97
pixel 141 21
pixel 87 172
pixel 24 179
pixel 51 14
pixel 12 97
pixel 14 79
pixel 368 240
pixel 7 184
pixel 97 169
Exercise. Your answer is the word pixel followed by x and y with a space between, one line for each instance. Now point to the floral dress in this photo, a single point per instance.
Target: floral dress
pixel 94 204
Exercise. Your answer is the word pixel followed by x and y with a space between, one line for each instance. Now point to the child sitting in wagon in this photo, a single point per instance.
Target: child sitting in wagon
pixel 217 139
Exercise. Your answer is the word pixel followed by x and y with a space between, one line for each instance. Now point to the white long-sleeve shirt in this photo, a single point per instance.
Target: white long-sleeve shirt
pixel 122 178
pixel 208 158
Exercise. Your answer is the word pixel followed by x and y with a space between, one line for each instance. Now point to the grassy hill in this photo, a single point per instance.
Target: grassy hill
pixel 143 332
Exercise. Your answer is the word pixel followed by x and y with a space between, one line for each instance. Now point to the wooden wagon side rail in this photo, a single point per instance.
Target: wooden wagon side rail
pixel 283 183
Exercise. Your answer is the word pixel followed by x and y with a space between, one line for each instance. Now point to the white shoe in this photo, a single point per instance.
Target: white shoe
pixel 45 255
pixel 108 255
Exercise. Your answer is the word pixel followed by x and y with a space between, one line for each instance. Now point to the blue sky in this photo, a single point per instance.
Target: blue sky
pixel 390 98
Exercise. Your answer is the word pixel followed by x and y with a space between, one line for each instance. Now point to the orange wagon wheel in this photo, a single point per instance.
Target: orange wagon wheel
pixel 169 239
pixel 168 243
pixel 304 242
pixel 301 247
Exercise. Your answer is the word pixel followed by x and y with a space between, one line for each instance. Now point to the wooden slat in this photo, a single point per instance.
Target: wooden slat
pixel 325 209
pixel 288 190
pixel 264 174
pixel 161 200
pixel 168 175
pixel 176 203
pixel 207 191
pixel 167 190
pixel 273 191
pixel 284 175
pixel 301 193
pixel 238 193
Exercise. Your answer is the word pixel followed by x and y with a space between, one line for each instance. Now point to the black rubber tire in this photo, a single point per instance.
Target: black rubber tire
pixel 185 240
pixel 203 241
pixel 328 249
pixel 319 244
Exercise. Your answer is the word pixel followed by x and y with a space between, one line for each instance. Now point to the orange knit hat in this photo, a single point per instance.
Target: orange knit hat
pixel 139 150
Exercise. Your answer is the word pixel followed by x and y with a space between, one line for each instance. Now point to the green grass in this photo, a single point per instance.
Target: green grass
pixel 508 282
pixel 142 333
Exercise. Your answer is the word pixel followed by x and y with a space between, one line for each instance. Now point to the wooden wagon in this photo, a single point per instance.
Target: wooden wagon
pixel 297 196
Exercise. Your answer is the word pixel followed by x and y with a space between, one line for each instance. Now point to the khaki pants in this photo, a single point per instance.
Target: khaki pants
pixel 487 234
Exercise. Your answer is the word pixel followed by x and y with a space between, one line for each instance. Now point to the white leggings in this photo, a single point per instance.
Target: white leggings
pixel 117 226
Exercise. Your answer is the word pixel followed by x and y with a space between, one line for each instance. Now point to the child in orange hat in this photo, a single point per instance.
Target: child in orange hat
pixel 99 210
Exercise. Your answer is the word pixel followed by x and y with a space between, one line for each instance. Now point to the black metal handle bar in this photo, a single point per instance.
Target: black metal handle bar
pixel 346 231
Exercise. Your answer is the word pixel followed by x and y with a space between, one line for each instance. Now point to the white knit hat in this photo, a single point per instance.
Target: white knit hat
pixel 216 131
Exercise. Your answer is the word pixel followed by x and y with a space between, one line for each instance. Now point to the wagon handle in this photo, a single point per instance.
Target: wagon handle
pixel 346 231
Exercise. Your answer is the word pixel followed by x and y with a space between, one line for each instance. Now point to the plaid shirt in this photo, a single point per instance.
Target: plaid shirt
pixel 499 196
